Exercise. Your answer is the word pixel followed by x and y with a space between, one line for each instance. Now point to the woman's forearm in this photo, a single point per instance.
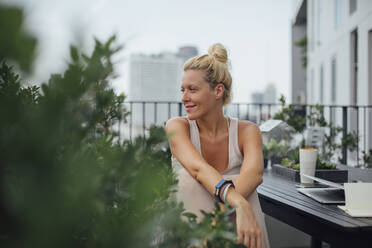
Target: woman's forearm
pixel 209 178
pixel 247 182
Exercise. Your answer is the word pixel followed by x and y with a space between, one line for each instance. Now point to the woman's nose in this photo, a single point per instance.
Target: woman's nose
pixel 185 96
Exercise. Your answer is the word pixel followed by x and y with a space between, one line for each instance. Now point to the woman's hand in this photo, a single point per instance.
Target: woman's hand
pixel 248 230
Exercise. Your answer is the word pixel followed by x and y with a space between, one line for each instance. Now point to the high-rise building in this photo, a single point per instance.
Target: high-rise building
pixel 270 94
pixel 155 77
pixel 187 52
pixel 257 97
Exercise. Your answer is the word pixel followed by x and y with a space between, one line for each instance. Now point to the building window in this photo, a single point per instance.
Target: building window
pixel 318 24
pixel 321 84
pixel 312 26
pixel 354 67
pixel 338 13
pixel 352 6
pixel 333 89
pixel 311 97
pixel 333 80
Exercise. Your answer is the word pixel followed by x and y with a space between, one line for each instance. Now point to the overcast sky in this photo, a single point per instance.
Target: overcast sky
pixel 256 33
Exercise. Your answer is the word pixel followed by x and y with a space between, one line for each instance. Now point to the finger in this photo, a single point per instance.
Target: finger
pixel 240 238
pixel 259 241
pixel 252 243
pixel 247 240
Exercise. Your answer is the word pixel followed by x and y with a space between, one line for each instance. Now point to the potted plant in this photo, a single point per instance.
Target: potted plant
pixel 290 168
pixel 275 151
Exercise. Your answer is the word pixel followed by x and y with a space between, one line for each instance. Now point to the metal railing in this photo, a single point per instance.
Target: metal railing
pixel 356 119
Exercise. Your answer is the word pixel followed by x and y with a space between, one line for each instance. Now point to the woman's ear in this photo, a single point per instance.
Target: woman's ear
pixel 219 91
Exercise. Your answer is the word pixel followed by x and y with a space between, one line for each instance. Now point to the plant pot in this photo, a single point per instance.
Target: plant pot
pixel 276 160
pixel 336 175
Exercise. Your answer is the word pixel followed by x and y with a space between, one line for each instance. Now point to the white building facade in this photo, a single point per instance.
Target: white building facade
pixel 155 77
pixel 339 59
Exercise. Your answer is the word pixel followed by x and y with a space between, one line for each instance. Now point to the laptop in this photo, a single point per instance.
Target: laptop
pixel 358 199
pixel 325 191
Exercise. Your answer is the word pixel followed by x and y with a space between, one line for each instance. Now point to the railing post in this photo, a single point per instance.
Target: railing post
pixel 344 133
pixel 131 120
pixel 143 118
pixel 260 114
pixel 180 109
pixel 169 110
pixel 269 115
pixel 156 112
pixel 357 109
pixel 247 111
pixel 364 129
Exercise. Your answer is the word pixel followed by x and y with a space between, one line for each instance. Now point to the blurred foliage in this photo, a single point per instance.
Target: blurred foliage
pixel 302 43
pixel 316 116
pixel 286 162
pixel 215 230
pixel 293 161
pixel 367 159
pixel 67 180
pixel 16 44
pixel 289 115
pixel 275 149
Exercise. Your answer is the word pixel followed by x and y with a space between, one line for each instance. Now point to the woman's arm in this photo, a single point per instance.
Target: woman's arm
pixel 191 159
pixel 251 171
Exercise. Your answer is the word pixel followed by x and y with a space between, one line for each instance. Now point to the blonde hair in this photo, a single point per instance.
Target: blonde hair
pixel 216 66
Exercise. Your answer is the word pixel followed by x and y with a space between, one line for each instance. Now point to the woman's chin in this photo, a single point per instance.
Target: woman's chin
pixel 191 116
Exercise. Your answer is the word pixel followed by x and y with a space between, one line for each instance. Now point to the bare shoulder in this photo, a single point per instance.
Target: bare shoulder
pixel 248 132
pixel 248 128
pixel 177 124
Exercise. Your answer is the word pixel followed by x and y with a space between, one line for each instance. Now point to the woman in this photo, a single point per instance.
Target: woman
pixel 207 147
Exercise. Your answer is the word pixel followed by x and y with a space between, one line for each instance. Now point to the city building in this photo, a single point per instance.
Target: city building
pixel 257 97
pixel 155 77
pixel 334 38
pixel 187 52
pixel 270 93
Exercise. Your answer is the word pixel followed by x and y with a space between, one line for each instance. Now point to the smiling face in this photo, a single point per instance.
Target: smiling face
pixel 198 96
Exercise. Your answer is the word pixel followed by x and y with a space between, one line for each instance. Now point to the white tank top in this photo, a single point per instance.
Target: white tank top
pixel 235 156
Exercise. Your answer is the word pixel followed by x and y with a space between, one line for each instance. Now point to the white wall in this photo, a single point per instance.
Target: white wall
pixel 331 41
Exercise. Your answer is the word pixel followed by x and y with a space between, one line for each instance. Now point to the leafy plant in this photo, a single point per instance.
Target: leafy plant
pixel 367 158
pixel 289 115
pixel 316 116
pixel 323 165
pixel 302 43
pixel 333 147
pixel 286 162
pixel 275 149
pixel 293 161
pixel 334 140
pixel 16 45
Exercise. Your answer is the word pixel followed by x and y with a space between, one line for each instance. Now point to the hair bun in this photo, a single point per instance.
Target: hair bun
pixel 218 51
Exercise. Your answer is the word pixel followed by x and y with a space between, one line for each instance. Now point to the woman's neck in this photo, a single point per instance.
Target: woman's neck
pixel 213 124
